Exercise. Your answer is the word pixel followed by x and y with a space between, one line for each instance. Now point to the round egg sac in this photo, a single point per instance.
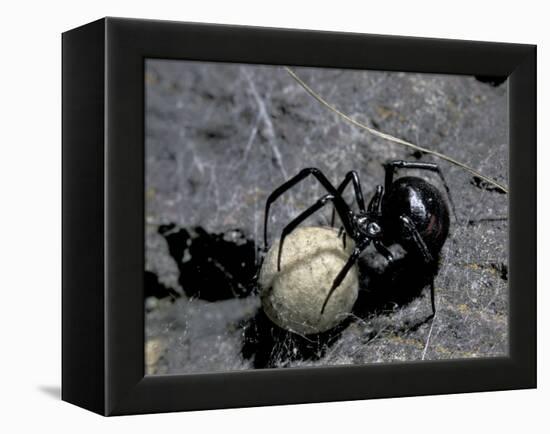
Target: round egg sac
pixel 293 297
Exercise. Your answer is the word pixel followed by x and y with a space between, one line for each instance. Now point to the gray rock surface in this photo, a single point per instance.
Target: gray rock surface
pixel 221 137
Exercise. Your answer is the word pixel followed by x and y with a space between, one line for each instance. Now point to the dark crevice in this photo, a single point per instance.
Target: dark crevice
pixel 484 185
pixel 490 79
pixel 212 266
pixel 153 288
pixel 417 154
pixel 215 134
pixel 501 268
pixel 473 222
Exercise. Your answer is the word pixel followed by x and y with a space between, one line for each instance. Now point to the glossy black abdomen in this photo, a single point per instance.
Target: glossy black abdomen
pixel 424 204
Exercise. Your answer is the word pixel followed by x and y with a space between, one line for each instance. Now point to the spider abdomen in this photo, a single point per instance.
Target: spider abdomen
pixel 424 205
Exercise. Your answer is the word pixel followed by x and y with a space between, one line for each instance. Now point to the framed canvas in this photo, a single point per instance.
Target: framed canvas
pixel 398 173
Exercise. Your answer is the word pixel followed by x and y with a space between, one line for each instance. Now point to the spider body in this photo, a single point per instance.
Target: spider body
pixel 412 213
pixel 426 208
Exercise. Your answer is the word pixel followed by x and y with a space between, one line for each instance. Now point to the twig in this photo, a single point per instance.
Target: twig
pixel 389 137
pixel 428 340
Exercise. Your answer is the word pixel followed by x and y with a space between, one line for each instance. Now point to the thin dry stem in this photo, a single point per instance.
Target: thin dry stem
pixel 391 138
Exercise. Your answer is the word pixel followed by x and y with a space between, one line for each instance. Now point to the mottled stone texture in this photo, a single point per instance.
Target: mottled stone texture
pixel 221 137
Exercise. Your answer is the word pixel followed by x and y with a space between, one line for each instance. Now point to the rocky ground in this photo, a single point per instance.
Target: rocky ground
pixel 221 137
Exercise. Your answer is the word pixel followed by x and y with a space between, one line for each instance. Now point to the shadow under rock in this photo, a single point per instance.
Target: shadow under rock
pixel 394 286
pixel 270 346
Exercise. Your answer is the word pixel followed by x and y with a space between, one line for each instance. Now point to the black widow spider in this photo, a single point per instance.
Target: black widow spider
pixel 412 213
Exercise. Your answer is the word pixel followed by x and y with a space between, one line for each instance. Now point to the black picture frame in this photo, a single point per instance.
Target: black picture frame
pixel 103 215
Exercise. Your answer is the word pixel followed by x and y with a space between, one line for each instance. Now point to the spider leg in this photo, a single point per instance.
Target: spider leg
pixel 432 296
pixel 428 258
pixel 304 215
pixel 392 166
pixel 417 238
pixel 340 232
pixel 352 177
pixel 338 201
pixel 344 271
pixel 375 203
